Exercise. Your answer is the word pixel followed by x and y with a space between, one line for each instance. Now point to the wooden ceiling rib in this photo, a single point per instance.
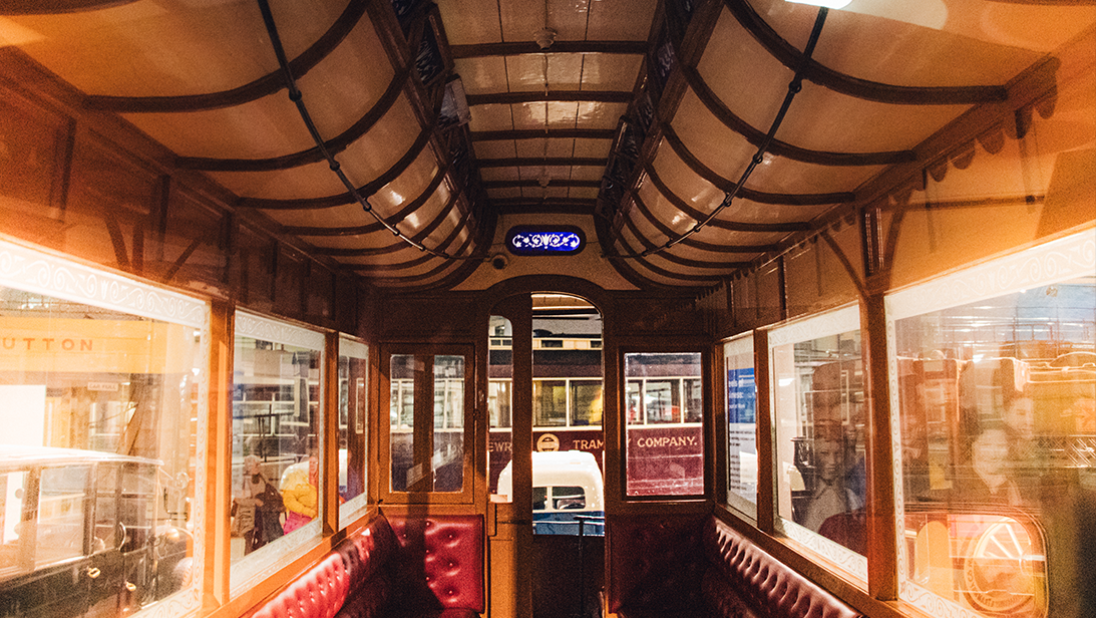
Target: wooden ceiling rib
pixel 261 87
pixel 791 57
pixel 394 220
pixel 757 137
pixel 312 155
pixel 341 199
pixel 727 186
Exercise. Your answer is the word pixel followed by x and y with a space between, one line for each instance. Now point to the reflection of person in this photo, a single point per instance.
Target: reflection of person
pixel 986 480
pixel 301 497
pixel 259 495
pixel 1019 420
pixel 831 495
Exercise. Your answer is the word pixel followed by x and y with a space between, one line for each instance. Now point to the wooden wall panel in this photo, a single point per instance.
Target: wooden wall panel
pixel 770 293
pixel 33 153
pixel 289 283
pixel 111 196
pixel 193 244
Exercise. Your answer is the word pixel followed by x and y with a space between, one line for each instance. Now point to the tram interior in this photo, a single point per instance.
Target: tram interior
pixel 581 284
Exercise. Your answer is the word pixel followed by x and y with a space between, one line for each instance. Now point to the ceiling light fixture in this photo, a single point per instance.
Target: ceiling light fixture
pixel 545 37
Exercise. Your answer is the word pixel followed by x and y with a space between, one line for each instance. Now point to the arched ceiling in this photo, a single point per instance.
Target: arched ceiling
pixel 389 137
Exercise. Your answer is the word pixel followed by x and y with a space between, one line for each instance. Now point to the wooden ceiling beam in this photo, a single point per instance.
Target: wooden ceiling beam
pixel 487 136
pixel 558 96
pixel 532 161
pixel 559 47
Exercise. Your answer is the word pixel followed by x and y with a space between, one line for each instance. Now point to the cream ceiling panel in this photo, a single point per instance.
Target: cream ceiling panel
pixel 491 118
pixel 158 49
pixel 613 72
pixel 620 20
pixel 482 75
pixel 468 22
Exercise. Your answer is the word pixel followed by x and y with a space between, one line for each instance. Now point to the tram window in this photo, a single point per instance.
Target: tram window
pixel 499 404
pixel 819 416
pixel 448 456
pixel 426 437
pixel 276 444
pixel 741 394
pixel 665 454
pixel 61 506
pixel 540 498
pixel 662 401
pixel 13 528
pixel 634 397
pixel 586 404
pixel 991 499
pixel 568 498
pixel 353 427
pixel 114 373
pixel 549 403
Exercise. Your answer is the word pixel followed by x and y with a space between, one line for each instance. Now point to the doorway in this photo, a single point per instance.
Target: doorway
pixel 545 397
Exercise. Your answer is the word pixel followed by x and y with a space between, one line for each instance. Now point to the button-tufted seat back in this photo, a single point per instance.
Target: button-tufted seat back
pixel 319 593
pixel 446 555
pixel 656 565
pixel 768 585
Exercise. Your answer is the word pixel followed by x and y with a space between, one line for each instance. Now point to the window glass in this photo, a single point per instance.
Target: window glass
pixel 61 504
pixel 585 402
pixel 353 428
pixel 276 429
pixel 741 394
pixel 662 401
pixel 426 434
pixel 448 459
pixel 819 413
pixel 14 550
pixel 996 424
pixel 568 498
pixel 499 401
pixel 402 369
pixel 549 403
pixel 665 453
pixel 94 361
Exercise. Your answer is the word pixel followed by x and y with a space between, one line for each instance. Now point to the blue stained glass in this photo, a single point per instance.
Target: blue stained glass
pixel 528 242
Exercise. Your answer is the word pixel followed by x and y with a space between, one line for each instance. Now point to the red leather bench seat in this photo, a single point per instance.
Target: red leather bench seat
pixel 428 567
pixel 699 567
pixel 319 593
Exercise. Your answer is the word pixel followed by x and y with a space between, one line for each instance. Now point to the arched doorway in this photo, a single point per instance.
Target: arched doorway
pixel 545 396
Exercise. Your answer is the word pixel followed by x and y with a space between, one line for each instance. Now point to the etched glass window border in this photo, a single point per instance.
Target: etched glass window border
pixel 738 346
pixel 835 322
pixel 32 270
pixel 1052 262
pixel 357 505
pixel 547 250
pixel 266 561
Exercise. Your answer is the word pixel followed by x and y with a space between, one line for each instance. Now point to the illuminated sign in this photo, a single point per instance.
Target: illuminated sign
pixel 545 240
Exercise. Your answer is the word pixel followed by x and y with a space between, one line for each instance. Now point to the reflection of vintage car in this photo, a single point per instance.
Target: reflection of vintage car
pixel 79 534
pixel 566 485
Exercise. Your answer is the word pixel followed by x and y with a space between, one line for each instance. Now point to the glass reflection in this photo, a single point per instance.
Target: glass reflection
pixel 996 409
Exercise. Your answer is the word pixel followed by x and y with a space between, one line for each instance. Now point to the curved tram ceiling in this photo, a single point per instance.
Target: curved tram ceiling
pixel 700 135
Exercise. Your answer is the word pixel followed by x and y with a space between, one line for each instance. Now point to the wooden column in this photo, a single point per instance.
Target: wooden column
pixel 766 438
pixel 881 524
pixel 218 463
pixel 329 456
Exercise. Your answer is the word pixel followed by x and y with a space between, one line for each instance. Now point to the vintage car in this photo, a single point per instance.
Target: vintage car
pixel 81 534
